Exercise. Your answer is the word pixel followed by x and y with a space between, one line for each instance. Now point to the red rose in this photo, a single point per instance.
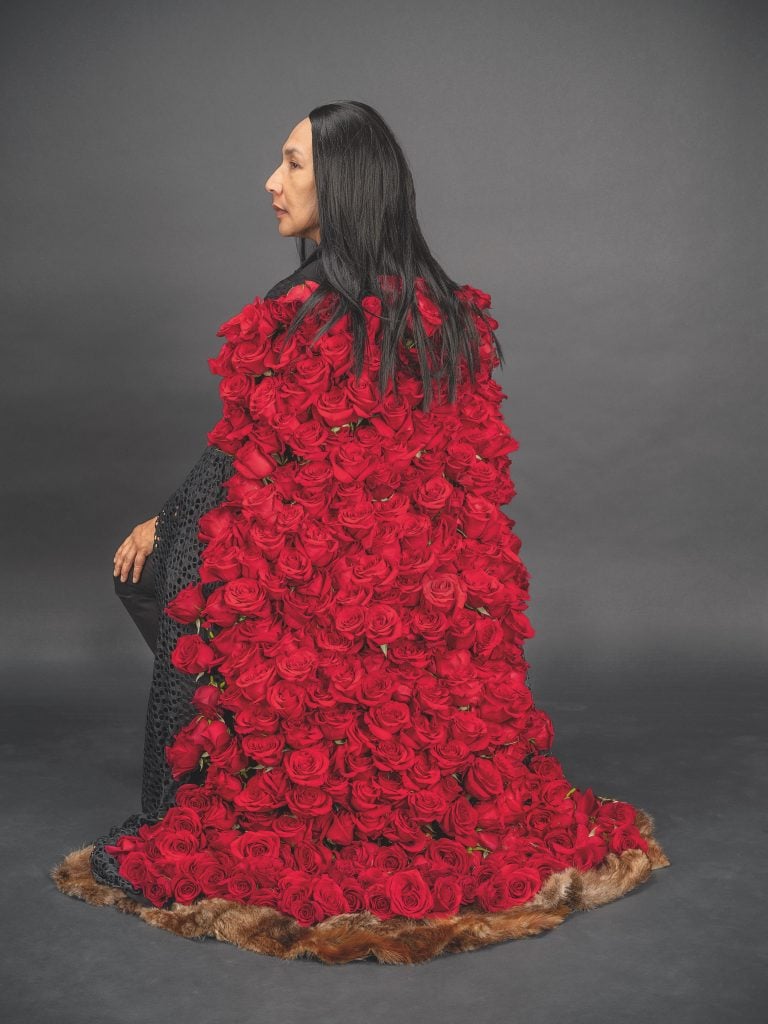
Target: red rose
pixel 554 794
pixel 448 895
pixel 377 899
pixel 188 604
pixel 483 779
pixel 223 748
pixel 263 791
pixel 616 812
pixel 253 683
pixel 248 357
pixel 295 898
pixel 297 666
pixel 222 363
pixel 186 749
pixel 481 520
pixel 409 894
pixel 174 845
pixel 134 867
pixel 294 566
pixel 358 520
pixel 235 388
pixel 392 755
pixel 349 620
pixel 264 750
pixel 259 845
pixel 308 767
pixel 210 808
pixel 253 462
pixel 470 729
pixel 287 699
pixel 460 457
pixel 353 462
pixel 257 500
pixel 394 416
pixel 444 591
pixel 539 730
pixel 427 804
pixel 300 292
pixel 434 495
pixel 504 699
pixel 245 597
pixel 489 632
pixel 470 294
pixel 449 856
pixel 206 700
pixel 546 766
pixel 309 438
pixel 484 590
pixel 245 324
pixel 186 889
pixel 241 887
pixel 364 396
pixel 429 623
pixel 312 374
pixel 452 755
pixel 459 819
pixel 510 886
pixel 627 838
pixel 588 854
pixel 308 800
pixel 222 563
pixel 329 897
pixel 192 654
pixel 382 623
pixel 386 719
pixel 333 407
pixel 158 890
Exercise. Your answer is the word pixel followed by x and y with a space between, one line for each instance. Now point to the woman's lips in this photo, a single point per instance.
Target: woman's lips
pixel 278 211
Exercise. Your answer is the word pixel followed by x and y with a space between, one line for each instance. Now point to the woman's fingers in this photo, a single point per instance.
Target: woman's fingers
pixel 135 550
pixel 123 559
pixel 138 565
pixel 125 567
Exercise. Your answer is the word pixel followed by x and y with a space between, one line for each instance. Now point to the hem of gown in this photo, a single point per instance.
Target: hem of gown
pixel 361 935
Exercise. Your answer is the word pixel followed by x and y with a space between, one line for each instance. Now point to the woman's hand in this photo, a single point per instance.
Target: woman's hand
pixel 134 550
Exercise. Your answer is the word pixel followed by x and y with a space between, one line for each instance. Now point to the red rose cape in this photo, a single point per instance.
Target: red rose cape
pixel 363 769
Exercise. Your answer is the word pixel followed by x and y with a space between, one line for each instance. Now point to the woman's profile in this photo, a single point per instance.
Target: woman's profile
pixel 342 754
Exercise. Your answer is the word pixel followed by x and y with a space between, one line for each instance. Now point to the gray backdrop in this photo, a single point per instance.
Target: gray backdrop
pixel 598 167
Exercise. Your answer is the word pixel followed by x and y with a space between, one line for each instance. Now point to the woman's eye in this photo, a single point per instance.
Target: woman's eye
pixel 293 163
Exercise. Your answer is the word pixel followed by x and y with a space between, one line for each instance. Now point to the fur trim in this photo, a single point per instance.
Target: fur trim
pixel 357 936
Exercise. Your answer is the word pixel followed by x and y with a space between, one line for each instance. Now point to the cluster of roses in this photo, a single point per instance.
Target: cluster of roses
pixel 365 737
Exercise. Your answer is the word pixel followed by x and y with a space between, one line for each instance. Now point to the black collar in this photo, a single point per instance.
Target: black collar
pixel 303 272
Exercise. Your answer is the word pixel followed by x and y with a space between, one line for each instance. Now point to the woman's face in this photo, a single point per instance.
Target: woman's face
pixel 292 186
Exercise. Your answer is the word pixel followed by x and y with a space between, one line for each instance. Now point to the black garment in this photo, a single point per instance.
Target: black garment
pixel 173 564
pixel 140 600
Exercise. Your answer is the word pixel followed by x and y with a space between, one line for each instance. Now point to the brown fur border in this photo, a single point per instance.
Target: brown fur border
pixel 357 936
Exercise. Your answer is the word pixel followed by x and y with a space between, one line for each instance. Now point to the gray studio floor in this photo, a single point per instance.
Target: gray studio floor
pixel 683 741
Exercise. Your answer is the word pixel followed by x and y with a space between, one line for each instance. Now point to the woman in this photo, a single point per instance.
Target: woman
pixel 342 754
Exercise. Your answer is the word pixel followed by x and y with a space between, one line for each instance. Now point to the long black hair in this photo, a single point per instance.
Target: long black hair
pixel 368 227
